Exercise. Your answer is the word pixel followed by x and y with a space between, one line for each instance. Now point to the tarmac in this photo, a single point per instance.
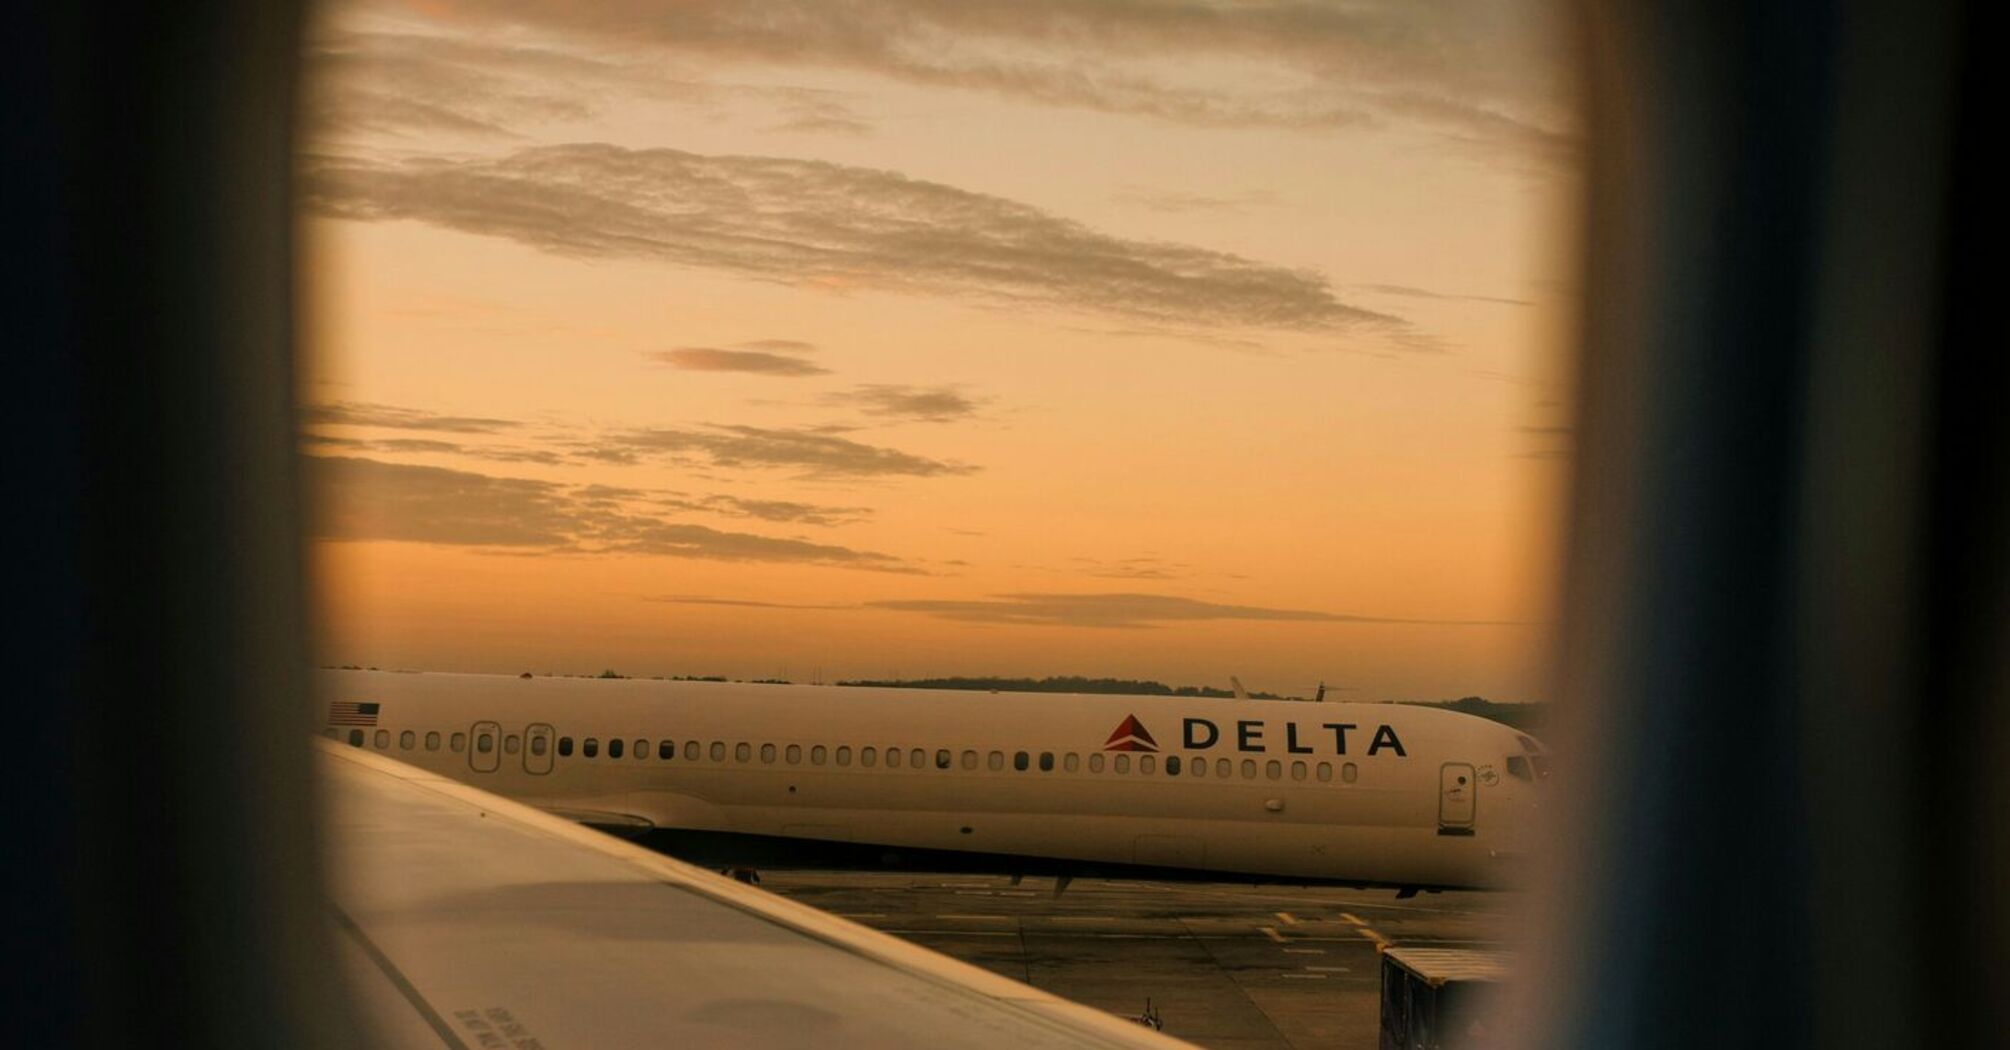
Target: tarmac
pixel 1226 966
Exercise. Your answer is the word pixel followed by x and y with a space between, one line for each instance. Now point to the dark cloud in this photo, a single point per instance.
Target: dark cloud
pixel 754 362
pixel 676 539
pixel 1423 293
pixel 937 404
pixel 392 445
pixel 811 222
pixel 364 499
pixel 1124 610
pixel 778 510
pixel 815 452
pixel 1472 70
pixel 391 417
pixel 428 84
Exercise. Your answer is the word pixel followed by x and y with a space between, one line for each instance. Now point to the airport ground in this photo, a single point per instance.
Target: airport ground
pixel 1228 967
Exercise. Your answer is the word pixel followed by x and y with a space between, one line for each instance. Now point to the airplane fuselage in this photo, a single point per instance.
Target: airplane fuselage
pixel 735 773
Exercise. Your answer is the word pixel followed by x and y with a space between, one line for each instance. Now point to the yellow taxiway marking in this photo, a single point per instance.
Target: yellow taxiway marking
pixel 1287 918
pixel 1372 935
pixel 1352 918
pixel 1271 932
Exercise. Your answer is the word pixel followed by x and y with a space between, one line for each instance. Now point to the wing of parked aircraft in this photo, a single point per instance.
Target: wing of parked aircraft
pixel 467 920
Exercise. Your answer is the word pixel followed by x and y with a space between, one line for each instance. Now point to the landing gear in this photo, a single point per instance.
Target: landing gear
pixel 746 875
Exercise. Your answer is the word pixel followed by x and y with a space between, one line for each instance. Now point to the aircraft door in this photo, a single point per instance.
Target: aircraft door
pixel 537 749
pixel 485 747
pixel 1458 791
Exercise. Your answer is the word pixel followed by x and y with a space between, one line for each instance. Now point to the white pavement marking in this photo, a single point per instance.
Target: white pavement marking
pixel 1306 951
pixel 1083 918
pixel 1330 969
pixel 1271 932
pixel 1303 976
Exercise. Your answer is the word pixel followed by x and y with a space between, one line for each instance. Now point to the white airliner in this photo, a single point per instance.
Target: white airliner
pixel 752 776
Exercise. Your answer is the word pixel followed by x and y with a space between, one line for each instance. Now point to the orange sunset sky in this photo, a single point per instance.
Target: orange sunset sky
pixel 916 337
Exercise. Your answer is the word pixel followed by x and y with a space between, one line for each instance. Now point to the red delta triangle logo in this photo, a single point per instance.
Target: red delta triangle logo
pixel 1131 735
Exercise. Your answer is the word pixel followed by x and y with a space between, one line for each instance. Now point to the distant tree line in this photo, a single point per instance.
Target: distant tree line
pixel 1527 717
pixel 1061 684
pixel 1524 716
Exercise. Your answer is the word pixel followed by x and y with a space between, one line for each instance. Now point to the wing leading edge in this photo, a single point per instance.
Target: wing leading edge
pixel 467 920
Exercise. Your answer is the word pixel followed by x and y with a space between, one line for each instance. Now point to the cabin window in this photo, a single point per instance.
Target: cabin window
pixel 565 747
pixel 1019 761
pixel 1298 771
pixel 691 750
pixel 382 739
pixel 817 754
pixel 590 747
pixel 1172 765
pixel 1325 772
pixel 1096 762
pixel 433 741
pixel 407 740
pixel 485 742
pixel 868 757
pixel 718 750
pixel 666 750
pixel 1273 769
pixel 512 744
pixel 1071 762
pixel 893 758
pixel 355 738
pixel 1223 768
pixel 844 756
pixel 794 754
pixel 768 753
pixel 1198 767
pixel 1348 772
pixel 969 760
pixel 1249 769
pixel 614 747
pixel 457 743
pixel 743 752
pixel 1147 763
pixel 1046 761
pixel 917 758
pixel 1122 763
pixel 995 761
pixel 641 750
pixel 942 758
pixel 538 745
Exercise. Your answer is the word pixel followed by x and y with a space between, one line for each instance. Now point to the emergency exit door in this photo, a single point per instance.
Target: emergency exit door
pixel 1457 795
pixel 537 749
pixel 485 747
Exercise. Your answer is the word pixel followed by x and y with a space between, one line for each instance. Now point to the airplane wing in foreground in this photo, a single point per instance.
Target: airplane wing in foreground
pixel 467 920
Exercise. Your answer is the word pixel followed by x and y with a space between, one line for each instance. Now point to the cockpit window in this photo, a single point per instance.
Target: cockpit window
pixel 1518 768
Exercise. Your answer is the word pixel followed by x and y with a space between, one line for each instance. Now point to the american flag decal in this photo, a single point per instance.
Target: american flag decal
pixel 352 713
